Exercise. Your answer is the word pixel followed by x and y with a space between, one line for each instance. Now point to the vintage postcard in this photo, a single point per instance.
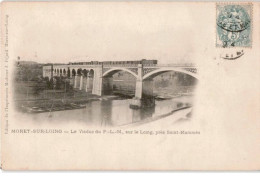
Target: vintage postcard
pixel 130 86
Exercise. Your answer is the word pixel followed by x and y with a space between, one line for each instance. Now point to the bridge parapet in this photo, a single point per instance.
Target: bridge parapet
pixel 171 65
pixel 121 65
pixel 190 67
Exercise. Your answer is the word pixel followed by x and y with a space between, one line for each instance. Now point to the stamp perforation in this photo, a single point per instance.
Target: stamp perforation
pixel 251 23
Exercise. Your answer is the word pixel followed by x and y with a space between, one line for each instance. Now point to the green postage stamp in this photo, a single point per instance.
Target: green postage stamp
pixel 234 25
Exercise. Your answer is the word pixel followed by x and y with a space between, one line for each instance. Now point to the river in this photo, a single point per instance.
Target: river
pixel 107 113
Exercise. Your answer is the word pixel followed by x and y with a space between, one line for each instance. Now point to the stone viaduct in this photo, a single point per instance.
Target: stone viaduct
pixel 91 76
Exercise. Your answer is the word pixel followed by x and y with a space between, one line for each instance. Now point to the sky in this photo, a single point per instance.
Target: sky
pixel 47 32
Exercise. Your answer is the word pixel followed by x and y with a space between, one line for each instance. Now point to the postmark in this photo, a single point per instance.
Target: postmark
pixel 234 25
pixel 232 55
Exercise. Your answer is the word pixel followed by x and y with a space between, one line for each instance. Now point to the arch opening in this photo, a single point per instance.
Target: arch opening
pixel 73 72
pixel 79 72
pixel 85 72
pixel 171 84
pixel 64 72
pixel 164 70
pixel 77 78
pixel 85 81
pixel 119 82
pixel 111 72
pixel 68 73
pixel 91 73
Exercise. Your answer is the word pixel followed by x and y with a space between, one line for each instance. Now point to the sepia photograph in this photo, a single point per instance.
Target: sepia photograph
pixel 97 93
pixel 109 74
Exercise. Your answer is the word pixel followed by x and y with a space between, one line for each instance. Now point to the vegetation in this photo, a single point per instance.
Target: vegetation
pixel 28 71
pixel 174 79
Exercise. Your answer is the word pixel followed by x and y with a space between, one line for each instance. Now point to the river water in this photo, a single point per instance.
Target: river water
pixel 107 113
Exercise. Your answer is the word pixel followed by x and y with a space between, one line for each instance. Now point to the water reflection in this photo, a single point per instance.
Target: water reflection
pixel 107 113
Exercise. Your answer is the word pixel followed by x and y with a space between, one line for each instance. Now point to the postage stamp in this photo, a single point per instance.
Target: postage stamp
pixel 233 25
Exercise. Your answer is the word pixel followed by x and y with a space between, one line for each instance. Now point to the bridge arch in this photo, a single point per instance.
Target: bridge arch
pixel 85 72
pixel 79 71
pixel 168 69
pixel 117 69
pixel 73 72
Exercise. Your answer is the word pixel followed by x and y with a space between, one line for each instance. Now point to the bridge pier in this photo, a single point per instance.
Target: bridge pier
pixel 144 95
pixel 81 82
pixel 97 80
pixel 87 84
pixel 143 91
pixel 136 102
pixel 139 82
pixel 75 81
pixel 139 89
